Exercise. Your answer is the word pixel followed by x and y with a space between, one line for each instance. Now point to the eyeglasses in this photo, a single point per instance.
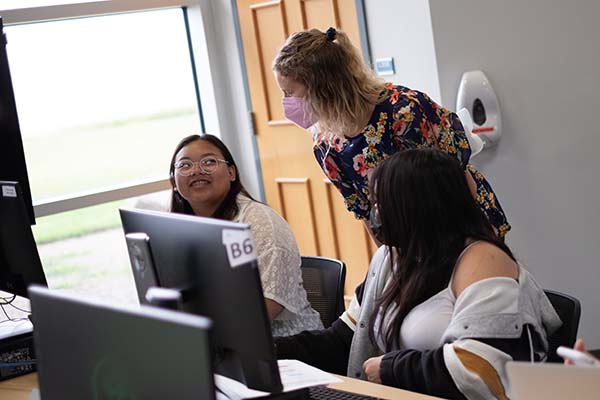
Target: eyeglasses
pixel 207 165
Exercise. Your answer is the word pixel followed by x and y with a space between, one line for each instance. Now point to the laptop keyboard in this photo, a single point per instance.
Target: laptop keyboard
pixel 325 393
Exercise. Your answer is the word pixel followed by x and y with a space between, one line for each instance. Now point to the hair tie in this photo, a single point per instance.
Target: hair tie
pixel 331 32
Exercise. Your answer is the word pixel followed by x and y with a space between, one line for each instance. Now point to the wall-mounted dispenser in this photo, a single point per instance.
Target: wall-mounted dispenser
pixel 475 141
pixel 476 95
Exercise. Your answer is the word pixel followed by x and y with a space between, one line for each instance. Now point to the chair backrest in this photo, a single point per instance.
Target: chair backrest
pixel 568 309
pixel 324 280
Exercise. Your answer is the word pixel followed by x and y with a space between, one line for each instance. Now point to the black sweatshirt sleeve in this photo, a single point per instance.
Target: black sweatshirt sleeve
pixel 327 349
pixel 419 371
pixel 426 372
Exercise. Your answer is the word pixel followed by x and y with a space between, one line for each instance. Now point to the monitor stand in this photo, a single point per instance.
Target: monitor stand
pixel 172 299
pixel 164 298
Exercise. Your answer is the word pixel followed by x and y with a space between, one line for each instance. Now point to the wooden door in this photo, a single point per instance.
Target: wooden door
pixel 295 185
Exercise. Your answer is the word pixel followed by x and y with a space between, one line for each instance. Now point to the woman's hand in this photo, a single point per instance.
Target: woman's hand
pixel 579 346
pixel 371 368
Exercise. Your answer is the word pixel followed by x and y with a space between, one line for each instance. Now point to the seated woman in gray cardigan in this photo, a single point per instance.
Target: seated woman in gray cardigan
pixel 444 305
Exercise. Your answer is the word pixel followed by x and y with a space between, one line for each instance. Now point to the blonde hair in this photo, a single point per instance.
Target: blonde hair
pixel 340 87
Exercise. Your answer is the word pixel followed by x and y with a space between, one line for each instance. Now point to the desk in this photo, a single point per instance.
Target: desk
pixel 19 389
pixel 375 390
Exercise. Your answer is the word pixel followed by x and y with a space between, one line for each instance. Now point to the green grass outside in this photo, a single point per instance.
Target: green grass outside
pixel 98 156
pixel 66 271
pixel 108 154
pixel 75 279
pixel 77 223
pixel 92 158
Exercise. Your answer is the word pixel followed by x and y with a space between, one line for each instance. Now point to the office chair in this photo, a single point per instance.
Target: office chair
pixel 324 280
pixel 568 309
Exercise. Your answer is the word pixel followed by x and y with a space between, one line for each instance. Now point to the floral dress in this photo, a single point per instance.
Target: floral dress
pixel 404 119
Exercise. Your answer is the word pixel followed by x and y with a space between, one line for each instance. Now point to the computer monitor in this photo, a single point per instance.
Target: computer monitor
pixel 20 263
pixel 12 157
pixel 91 350
pixel 190 254
pixel 142 264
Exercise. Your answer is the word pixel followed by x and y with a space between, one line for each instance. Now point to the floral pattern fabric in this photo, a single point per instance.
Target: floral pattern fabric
pixel 405 119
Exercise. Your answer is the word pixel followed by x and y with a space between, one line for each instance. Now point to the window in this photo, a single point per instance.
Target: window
pixel 102 100
pixel 104 90
pixel 84 251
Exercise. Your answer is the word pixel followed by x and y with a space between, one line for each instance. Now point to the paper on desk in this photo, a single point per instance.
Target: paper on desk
pixel 294 375
pixel 235 390
pixel 297 375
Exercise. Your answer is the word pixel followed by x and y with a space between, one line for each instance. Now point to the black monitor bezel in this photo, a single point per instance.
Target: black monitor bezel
pixel 13 166
pixel 244 344
pixel 20 263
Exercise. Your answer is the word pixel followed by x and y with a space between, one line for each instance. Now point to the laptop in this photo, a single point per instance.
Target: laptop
pixel 89 350
pixel 550 381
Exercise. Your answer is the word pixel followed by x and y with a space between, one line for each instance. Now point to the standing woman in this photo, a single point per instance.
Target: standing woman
pixel 206 182
pixel 358 120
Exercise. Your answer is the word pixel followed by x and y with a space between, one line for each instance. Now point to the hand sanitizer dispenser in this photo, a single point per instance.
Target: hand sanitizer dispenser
pixel 475 141
pixel 475 93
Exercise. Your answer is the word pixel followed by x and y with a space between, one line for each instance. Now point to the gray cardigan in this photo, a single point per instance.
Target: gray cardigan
pixel 474 316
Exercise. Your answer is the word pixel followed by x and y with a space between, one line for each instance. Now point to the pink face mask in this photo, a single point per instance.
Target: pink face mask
pixel 294 111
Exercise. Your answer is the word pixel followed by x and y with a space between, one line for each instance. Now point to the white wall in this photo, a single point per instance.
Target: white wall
pixel 542 58
pixel 402 29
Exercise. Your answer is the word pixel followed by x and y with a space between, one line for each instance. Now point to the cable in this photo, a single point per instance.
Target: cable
pixel 5 313
pixel 14 320
pixel 7 301
pixel 9 318
pixel 20 309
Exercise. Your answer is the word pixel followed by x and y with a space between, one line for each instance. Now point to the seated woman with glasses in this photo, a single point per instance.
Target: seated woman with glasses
pixel 444 305
pixel 206 182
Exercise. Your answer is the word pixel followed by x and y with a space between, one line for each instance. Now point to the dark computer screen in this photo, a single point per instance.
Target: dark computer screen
pixel 190 255
pixel 12 157
pixel 20 263
pixel 92 350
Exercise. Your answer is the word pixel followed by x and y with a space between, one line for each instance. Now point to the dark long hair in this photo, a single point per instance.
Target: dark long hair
pixel 228 208
pixel 427 213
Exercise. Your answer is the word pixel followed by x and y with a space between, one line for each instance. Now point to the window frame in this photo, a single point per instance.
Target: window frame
pixel 209 28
